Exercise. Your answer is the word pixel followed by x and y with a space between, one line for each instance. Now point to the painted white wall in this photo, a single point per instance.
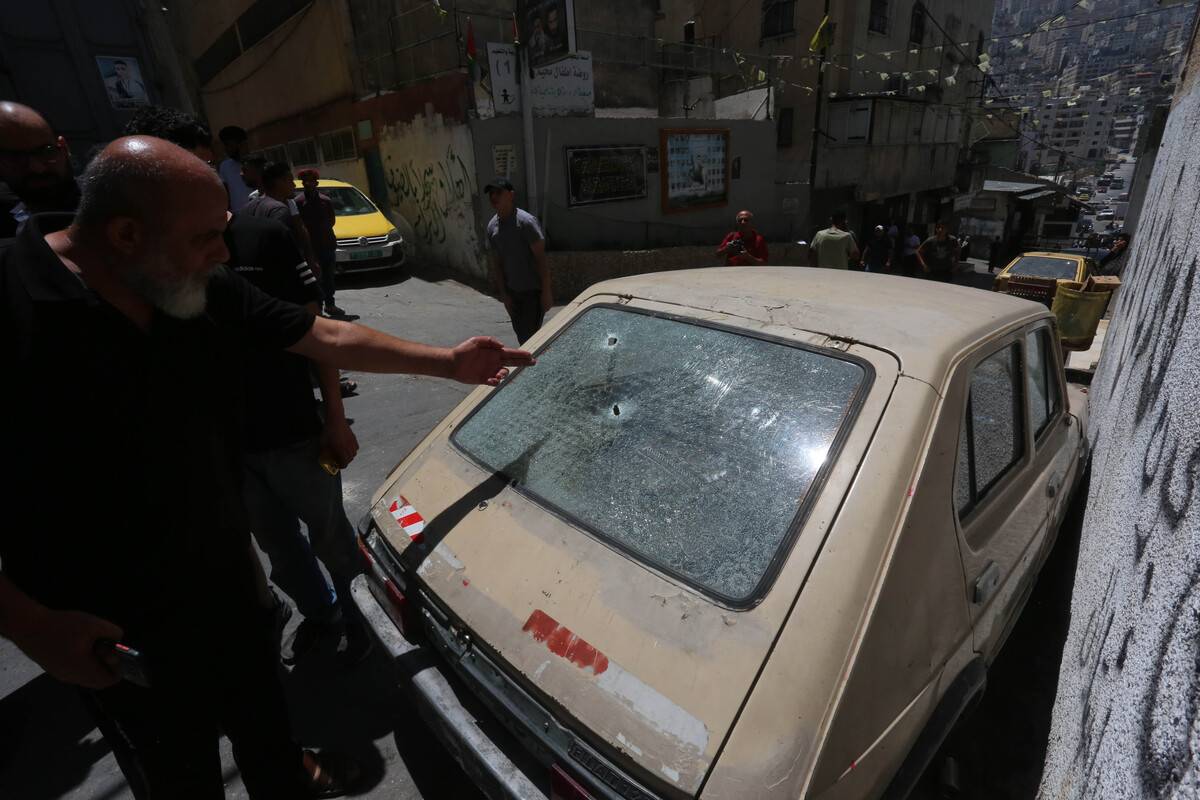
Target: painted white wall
pixel 1125 720
pixel 430 170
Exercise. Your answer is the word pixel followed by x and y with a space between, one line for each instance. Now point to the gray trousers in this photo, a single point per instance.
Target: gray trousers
pixel 283 488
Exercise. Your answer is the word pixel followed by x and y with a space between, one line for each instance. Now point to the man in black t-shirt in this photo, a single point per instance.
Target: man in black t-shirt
pixel 135 336
pixel 35 168
pixel 938 254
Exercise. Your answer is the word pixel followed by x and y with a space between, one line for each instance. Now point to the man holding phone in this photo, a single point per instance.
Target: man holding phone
pixel 137 332
pixel 744 245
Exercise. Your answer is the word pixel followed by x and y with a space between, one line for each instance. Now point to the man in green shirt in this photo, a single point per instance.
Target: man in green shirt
pixel 833 247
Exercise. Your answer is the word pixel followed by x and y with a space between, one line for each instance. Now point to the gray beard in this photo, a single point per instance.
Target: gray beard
pixel 184 299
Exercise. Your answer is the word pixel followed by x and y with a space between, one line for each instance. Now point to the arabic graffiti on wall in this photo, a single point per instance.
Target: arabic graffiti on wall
pixel 1125 720
pixel 430 172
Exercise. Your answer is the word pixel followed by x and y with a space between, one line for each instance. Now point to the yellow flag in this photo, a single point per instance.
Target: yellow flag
pixel 823 37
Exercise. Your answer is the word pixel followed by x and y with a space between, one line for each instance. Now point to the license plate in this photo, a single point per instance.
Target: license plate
pixel 363 255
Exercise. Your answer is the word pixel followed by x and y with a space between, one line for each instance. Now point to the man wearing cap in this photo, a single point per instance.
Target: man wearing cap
pixel 517 257
pixel 316 211
pixel 744 246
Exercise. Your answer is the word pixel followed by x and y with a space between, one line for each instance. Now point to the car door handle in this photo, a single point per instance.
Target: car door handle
pixel 986 583
pixel 1053 485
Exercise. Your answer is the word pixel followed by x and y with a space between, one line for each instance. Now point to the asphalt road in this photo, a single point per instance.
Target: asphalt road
pixel 49 748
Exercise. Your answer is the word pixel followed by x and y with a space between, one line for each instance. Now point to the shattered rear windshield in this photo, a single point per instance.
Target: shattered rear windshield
pixel 690 446
pixel 1044 267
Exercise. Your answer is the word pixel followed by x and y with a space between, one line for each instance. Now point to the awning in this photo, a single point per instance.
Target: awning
pixel 1036 195
pixel 1007 187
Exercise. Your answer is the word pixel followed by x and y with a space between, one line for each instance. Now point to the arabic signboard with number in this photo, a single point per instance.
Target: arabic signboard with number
pixel 696 168
pixel 605 174
pixel 564 88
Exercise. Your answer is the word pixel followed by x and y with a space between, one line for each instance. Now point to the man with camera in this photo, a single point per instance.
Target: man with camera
pixel 744 246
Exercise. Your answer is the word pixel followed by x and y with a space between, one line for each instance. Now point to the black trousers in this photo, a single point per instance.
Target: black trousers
pixel 165 738
pixel 526 314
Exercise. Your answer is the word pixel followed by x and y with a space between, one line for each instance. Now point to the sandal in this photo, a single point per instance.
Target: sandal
pixel 333 774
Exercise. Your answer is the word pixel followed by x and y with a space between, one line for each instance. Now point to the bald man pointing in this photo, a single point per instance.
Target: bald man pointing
pixel 126 518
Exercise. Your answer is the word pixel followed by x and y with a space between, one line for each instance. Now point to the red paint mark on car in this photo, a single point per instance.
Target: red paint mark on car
pixel 562 642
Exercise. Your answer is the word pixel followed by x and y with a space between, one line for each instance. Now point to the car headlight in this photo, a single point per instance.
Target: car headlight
pixel 394 236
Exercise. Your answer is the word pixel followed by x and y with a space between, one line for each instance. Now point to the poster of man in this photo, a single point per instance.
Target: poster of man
pixel 122 77
pixel 549 27
pixel 697 168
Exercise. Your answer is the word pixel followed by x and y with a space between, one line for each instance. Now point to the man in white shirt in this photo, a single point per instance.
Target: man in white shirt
pixel 833 247
pixel 233 139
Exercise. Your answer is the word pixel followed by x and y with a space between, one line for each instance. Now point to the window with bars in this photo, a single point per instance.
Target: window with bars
pixel 278 153
pixel 916 28
pixel 302 152
pixel 778 17
pixel 877 22
pixel 338 145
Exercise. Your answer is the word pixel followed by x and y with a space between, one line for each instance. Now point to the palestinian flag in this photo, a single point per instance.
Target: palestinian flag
pixel 471 52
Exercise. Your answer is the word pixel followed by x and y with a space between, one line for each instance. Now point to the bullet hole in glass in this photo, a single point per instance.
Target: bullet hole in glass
pixel 612 340
pixel 616 410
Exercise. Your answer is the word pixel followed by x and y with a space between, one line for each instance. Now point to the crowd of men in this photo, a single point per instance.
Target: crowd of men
pixel 171 319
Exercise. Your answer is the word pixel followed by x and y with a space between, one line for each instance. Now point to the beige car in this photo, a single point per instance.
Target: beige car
pixel 740 533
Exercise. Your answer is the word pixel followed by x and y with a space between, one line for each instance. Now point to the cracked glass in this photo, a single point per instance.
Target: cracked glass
pixel 692 447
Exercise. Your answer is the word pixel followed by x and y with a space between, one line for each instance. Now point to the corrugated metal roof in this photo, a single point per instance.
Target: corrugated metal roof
pixel 1035 195
pixel 1009 186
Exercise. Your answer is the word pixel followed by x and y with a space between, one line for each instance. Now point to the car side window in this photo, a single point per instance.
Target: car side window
pixel 992 437
pixel 1044 398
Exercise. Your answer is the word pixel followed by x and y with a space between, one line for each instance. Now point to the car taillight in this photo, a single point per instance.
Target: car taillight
pixel 564 787
pixel 397 608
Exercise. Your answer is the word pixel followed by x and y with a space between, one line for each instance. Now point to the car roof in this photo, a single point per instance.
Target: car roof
pixel 325 182
pixel 924 324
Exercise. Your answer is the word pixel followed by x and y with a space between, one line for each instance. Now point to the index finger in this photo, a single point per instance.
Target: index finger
pixel 512 357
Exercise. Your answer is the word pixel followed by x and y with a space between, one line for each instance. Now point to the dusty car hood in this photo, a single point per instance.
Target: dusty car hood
pixel 648 670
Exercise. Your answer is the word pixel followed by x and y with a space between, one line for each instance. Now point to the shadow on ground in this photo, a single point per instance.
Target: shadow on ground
pixel 48 743
pixel 349 710
pixel 1000 747
pixel 413 268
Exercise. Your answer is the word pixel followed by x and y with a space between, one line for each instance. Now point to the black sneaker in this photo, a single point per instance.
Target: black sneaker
pixel 333 311
pixel 311 636
pixel 356 644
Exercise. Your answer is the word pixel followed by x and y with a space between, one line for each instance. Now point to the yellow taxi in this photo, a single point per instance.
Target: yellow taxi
pixel 1045 265
pixel 366 239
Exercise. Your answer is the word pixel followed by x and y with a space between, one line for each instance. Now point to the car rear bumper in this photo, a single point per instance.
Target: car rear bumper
pixel 444 706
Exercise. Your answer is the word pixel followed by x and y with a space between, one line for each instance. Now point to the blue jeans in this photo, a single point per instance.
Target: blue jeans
pixel 283 488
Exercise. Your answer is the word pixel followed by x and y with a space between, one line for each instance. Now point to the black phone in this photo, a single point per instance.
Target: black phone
pixel 131 664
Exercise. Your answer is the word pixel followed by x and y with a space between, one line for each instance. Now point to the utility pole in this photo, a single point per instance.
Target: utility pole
pixel 816 130
pixel 525 71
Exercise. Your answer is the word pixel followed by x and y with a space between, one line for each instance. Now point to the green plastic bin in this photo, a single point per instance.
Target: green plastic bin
pixel 1078 314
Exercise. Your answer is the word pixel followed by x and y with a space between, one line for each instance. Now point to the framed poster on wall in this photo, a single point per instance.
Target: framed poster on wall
pixel 695 172
pixel 605 174
pixel 547 29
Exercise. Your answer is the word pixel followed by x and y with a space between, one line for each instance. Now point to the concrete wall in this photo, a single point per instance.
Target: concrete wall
pixel 1125 721
pixel 429 166
pixel 640 223
pixel 301 65
pixel 572 271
